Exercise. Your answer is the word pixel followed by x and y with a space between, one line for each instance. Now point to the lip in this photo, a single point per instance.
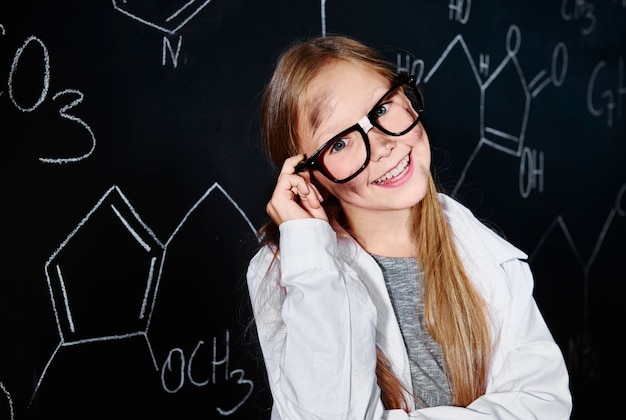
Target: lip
pixel 399 179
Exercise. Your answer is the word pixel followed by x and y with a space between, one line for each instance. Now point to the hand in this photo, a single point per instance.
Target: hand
pixel 295 197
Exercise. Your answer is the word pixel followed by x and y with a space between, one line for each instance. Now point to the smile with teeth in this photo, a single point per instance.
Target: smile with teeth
pixel 396 172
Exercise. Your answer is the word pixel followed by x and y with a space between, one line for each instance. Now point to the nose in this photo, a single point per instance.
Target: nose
pixel 381 144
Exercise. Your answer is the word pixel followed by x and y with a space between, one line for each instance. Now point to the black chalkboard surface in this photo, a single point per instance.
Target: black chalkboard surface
pixel 133 183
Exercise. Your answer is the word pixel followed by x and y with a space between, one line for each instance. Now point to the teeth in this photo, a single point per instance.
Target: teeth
pixel 394 172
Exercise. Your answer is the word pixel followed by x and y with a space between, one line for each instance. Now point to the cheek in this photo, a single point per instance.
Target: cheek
pixel 421 147
pixel 421 153
pixel 324 186
pixel 349 189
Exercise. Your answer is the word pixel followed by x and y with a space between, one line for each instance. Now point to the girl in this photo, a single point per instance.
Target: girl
pixel 374 295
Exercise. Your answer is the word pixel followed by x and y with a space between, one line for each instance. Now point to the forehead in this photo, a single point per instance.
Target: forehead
pixel 337 97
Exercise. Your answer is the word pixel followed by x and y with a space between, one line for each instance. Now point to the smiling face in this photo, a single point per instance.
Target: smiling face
pixel 396 177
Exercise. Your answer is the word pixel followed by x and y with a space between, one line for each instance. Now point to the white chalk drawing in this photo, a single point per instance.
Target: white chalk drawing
pixel 34 42
pixel 509 140
pixel 582 11
pixel 7 395
pixel 170 19
pixel 143 255
pixel 323 16
pixel 613 97
pixel 176 357
pixel 2 32
pixel 559 225
pixel 459 10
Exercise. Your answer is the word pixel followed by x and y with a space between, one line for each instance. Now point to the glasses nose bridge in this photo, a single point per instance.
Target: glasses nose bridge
pixel 382 145
pixel 365 124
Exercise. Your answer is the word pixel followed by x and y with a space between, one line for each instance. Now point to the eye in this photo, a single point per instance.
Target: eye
pixel 339 145
pixel 381 110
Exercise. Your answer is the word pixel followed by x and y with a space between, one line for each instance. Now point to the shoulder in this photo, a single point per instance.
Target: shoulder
pixel 474 236
pixel 496 267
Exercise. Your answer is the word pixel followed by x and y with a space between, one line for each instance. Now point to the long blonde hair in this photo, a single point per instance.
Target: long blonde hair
pixel 455 314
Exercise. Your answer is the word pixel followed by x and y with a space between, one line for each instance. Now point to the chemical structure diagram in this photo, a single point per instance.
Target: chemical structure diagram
pixel 169 20
pixel 129 263
pixel 509 140
pixel 580 352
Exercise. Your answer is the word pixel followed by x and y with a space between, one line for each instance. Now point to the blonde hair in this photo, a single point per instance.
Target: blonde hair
pixel 455 314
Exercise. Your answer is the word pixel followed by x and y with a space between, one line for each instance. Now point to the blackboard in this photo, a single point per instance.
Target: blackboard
pixel 133 183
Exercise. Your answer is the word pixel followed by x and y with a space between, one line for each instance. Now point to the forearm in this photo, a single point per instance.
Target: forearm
pixel 320 352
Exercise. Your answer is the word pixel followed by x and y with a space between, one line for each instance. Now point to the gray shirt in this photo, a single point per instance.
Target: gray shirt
pixel 403 278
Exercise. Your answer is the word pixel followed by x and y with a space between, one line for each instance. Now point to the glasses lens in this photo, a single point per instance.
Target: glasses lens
pixel 399 110
pixel 344 155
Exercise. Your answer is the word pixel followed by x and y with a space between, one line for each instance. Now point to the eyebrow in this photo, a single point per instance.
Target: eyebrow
pixel 315 114
pixel 317 109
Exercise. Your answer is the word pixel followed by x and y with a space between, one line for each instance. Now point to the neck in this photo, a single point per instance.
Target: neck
pixel 384 233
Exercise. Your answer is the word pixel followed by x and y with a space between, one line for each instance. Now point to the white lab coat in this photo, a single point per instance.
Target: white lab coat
pixel 318 332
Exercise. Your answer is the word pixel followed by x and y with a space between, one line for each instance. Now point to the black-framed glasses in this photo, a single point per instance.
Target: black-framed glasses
pixel 348 153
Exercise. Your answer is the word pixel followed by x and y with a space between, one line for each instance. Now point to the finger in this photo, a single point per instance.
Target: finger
pixel 317 192
pixel 298 185
pixel 299 188
pixel 314 200
pixel 288 178
pixel 306 175
pixel 313 207
pixel 289 166
pixel 281 209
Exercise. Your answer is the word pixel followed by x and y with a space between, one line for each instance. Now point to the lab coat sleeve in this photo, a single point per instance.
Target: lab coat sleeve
pixel 316 326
